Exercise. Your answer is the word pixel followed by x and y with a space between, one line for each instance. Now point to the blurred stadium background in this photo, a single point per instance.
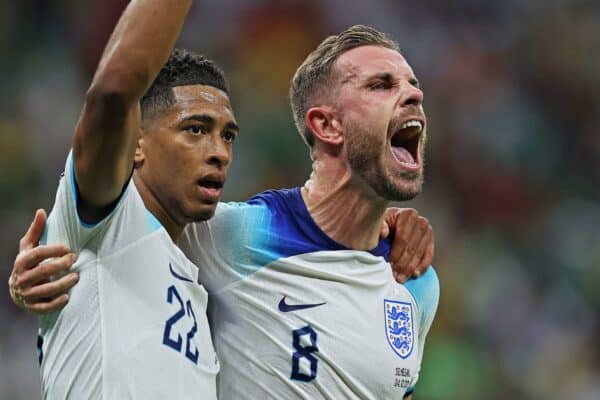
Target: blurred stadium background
pixel 512 189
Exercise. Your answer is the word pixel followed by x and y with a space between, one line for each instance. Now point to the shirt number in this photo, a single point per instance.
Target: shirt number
pixel 304 352
pixel 177 342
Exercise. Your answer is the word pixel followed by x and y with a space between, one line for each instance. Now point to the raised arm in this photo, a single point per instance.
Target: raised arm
pixel 106 134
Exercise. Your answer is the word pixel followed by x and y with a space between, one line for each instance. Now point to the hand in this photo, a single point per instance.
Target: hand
pixel 412 242
pixel 31 284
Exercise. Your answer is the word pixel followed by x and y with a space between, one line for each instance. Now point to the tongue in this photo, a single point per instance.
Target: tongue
pixel 403 155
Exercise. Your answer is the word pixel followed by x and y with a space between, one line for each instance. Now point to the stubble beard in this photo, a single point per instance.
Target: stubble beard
pixel 366 156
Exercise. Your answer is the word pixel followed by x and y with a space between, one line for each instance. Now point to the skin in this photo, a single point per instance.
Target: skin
pixel 192 141
pixel 106 134
pixel 355 173
pixel 379 91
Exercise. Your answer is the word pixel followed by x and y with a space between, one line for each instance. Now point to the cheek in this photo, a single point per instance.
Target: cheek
pixel 375 114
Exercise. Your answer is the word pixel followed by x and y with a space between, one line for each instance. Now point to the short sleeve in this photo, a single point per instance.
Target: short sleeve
pixel 233 244
pixel 126 222
pixel 426 292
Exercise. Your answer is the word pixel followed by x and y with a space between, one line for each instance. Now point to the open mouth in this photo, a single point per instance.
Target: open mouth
pixel 211 183
pixel 405 143
pixel 211 188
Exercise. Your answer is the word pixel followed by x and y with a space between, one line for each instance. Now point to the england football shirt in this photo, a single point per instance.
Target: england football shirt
pixel 296 315
pixel 135 326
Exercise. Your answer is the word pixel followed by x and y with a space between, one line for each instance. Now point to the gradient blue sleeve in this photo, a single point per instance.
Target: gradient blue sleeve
pixel 426 292
pixel 233 244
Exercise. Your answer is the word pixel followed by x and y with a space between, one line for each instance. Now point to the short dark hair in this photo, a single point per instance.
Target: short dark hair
pixel 314 76
pixel 181 69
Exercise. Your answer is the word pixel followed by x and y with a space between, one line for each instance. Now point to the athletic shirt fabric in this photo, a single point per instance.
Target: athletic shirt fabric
pixel 135 326
pixel 296 315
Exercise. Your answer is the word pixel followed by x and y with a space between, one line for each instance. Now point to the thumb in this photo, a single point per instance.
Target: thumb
pixel 34 233
pixel 389 221
pixel 384 232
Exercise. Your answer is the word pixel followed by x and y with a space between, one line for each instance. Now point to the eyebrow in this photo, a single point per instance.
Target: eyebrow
pixel 207 119
pixel 387 77
pixel 384 76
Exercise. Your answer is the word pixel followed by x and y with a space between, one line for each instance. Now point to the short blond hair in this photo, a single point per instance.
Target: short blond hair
pixel 315 73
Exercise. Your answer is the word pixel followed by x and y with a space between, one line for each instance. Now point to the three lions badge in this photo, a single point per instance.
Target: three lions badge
pixel 399 327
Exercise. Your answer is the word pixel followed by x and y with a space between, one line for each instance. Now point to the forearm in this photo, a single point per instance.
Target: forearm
pixel 106 134
pixel 139 46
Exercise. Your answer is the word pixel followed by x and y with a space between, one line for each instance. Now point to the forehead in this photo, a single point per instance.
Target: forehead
pixel 365 61
pixel 191 99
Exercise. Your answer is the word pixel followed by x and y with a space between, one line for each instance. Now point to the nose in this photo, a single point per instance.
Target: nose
pixel 411 96
pixel 219 153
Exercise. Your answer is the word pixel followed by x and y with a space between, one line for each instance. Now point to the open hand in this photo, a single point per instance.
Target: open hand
pixel 39 281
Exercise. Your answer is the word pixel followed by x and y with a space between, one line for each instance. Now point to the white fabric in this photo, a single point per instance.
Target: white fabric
pixel 108 342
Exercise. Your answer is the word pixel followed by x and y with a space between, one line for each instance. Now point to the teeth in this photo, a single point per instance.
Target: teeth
pixel 411 123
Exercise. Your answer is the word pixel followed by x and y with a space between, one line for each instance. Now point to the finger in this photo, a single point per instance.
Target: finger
pixel 407 224
pixel 427 259
pixel 390 216
pixel 416 245
pixel 48 307
pixel 399 276
pixel 43 272
pixel 35 231
pixel 50 290
pixel 30 259
pixel 13 291
pixel 399 242
pixel 413 266
pixel 412 243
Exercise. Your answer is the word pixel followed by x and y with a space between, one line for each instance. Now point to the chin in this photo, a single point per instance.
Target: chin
pixel 403 195
pixel 401 191
pixel 203 213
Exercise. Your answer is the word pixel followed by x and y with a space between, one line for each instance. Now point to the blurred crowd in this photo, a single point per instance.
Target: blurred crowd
pixel 512 178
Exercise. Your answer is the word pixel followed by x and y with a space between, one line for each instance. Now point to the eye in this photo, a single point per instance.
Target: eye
pixel 195 129
pixel 415 83
pixel 381 85
pixel 229 136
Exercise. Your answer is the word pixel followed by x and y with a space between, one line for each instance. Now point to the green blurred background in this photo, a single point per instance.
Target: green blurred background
pixel 512 181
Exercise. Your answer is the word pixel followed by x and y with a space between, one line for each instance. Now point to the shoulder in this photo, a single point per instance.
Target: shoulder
pixel 274 196
pixel 426 292
pixel 262 211
pixel 268 226
pixel 126 221
pixel 280 201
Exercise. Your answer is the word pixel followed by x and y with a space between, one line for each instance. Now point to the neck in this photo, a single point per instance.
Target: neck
pixel 348 211
pixel 173 228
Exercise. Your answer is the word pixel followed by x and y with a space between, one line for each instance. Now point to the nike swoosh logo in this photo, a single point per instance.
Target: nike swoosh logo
pixel 176 275
pixel 284 307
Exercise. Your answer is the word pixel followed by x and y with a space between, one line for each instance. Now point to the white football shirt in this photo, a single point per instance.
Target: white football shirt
pixel 295 315
pixel 135 326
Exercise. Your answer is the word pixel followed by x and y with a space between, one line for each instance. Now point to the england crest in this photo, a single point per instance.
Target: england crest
pixel 399 328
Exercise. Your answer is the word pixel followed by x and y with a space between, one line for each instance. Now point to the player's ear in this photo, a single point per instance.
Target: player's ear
pixel 324 126
pixel 139 157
